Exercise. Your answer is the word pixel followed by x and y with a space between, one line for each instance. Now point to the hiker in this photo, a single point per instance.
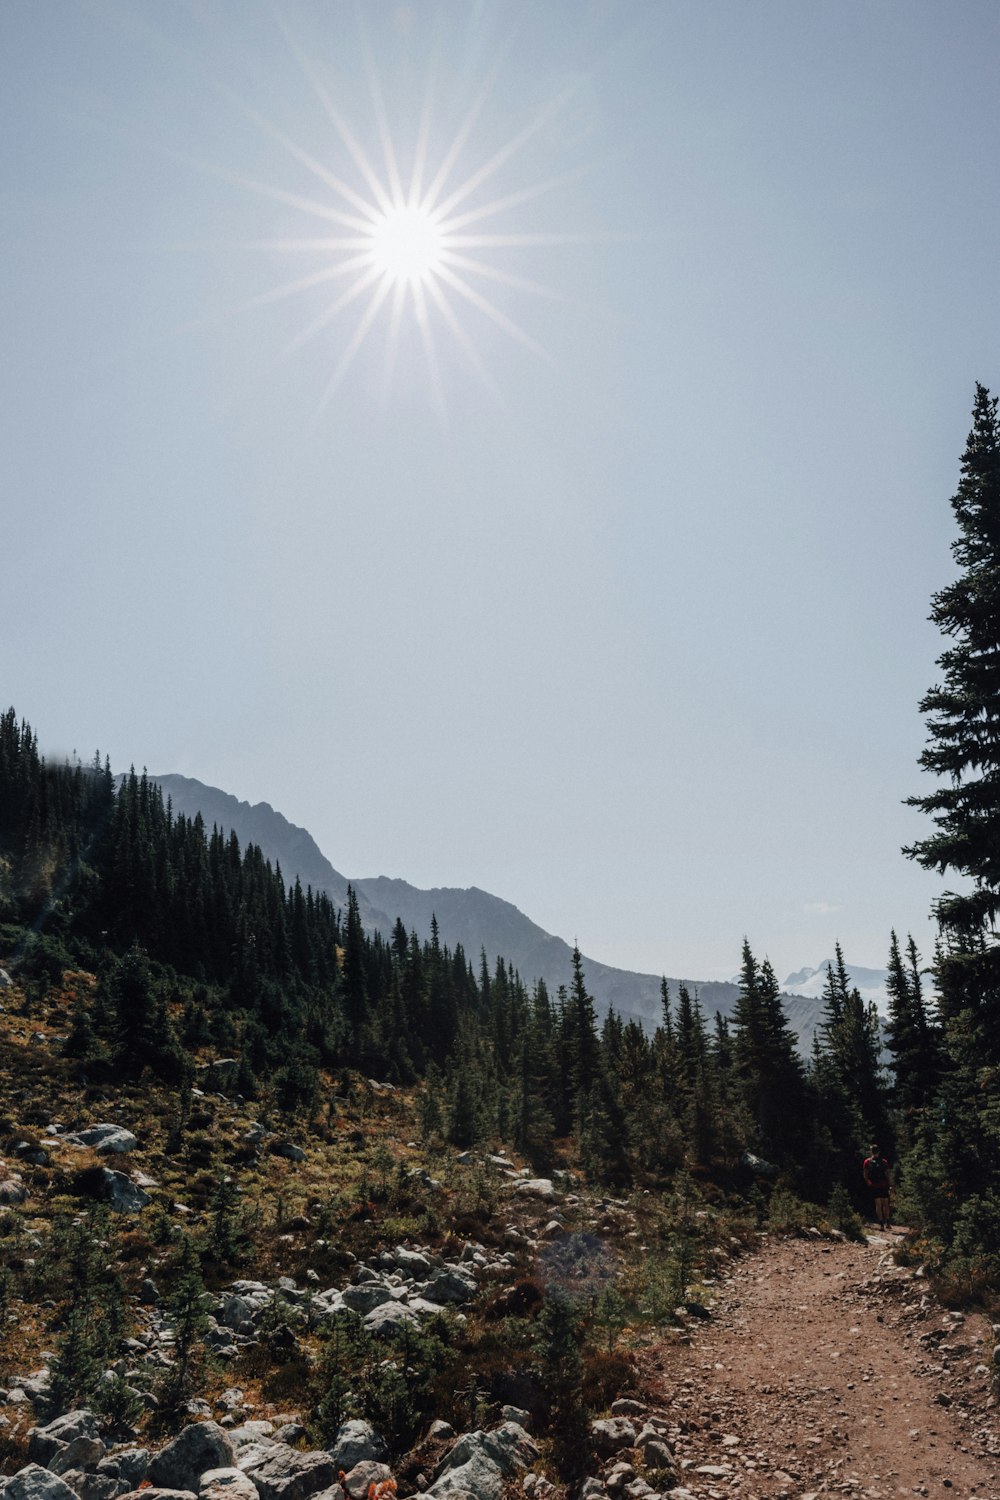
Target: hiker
pixel 876 1174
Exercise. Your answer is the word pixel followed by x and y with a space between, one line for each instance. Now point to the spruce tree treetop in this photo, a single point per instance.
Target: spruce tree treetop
pixel 963 710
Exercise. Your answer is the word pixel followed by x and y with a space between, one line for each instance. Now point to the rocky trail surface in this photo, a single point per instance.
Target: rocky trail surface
pixel 828 1370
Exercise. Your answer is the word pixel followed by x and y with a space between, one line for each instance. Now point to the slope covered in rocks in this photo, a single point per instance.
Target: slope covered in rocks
pixel 204 1299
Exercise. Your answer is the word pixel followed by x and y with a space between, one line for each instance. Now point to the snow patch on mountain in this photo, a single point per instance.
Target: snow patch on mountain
pixel 869 982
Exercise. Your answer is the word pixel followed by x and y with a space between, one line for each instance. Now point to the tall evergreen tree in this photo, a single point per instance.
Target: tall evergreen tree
pixel 963 752
pixel 910 1036
pixel 767 1067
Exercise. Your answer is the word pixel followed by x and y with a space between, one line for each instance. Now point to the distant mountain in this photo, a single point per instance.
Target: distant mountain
pixel 869 982
pixel 281 842
pixel 480 921
pixel 474 918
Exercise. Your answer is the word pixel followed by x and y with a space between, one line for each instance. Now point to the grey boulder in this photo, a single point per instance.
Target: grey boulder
pixel 35 1483
pixel 91 1486
pixel 538 1187
pixel 410 1262
pixel 482 1463
pixel 360 1479
pixel 180 1465
pixel 611 1434
pixel 448 1286
pixel 357 1442
pixel 45 1443
pixel 236 1312
pixel 107 1140
pixel 227 1484
pixel 389 1315
pixel 253 1455
pixel 656 1454
pixel 287 1474
pixel 288 1150
pixel 12 1189
pixel 127 1467
pixel 82 1453
pixel 122 1193
pixel 365 1299
pixel 160 1494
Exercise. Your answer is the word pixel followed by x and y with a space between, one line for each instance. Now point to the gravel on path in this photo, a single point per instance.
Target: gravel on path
pixel 827 1370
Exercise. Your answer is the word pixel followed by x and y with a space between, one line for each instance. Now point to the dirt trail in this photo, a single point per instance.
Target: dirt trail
pixel 826 1370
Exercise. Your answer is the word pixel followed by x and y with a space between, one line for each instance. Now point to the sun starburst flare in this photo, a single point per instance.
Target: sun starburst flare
pixel 424 248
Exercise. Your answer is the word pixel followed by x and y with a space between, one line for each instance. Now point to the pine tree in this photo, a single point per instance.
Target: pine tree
pixel 560 1335
pixel 353 980
pixel 963 719
pixel 850 1046
pixel 186 1308
pixel 910 1037
pixel 583 1045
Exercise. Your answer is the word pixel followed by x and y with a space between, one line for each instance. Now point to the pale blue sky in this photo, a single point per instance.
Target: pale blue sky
pixel 632 633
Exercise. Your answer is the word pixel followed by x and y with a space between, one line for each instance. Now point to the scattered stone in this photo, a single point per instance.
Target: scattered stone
pixel 127 1467
pixel 441 1430
pixel 236 1312
pixel 610 1434
pixel 227 1484
pixel 82 1453
pixel 45 1443
pixel 288 1150
pixel 364 1299
pixel 231 1400
pixel 538 1187
pixel 35 1483
pixel 411 1262
pixel 12 1189
pixel 388 1316
pixel 251 1432
pixel 359 1479
pixel 159 1494
pixel 290 1432
pixel 196 1449
pixel 618 1476
pixel 253 1455
pixel 627 1408
pixel 287 1474
pixel 657 1454
pixel 448 1286
pixel 92 1486
pixel 357 1442
pixel 481 1463
pixel 122 1193
pixel 106 1139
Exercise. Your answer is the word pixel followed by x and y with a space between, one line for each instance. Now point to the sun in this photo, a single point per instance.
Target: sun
pixel 408 245
pixel 404 233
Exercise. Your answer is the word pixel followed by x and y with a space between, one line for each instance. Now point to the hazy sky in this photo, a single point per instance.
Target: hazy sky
pixel 605 587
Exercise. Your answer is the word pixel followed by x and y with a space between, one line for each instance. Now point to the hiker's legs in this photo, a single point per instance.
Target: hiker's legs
pixel 882 1211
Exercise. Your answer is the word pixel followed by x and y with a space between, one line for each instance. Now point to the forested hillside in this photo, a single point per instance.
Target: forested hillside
pixel 475 919
pixel 195 942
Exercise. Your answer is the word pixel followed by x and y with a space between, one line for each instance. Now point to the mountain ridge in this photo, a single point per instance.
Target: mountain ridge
pixel 475 918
